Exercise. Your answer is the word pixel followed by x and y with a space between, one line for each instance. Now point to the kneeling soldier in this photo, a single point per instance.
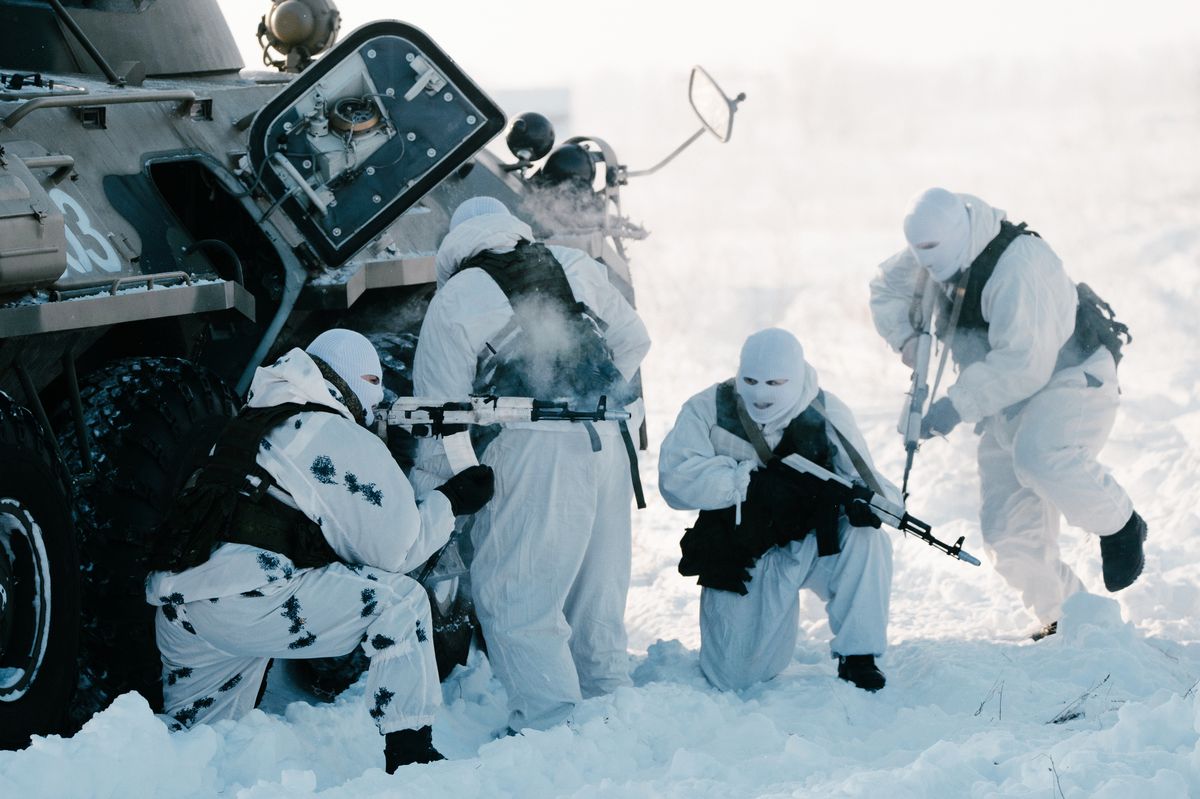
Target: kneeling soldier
pixel 292 541
pixel 766 531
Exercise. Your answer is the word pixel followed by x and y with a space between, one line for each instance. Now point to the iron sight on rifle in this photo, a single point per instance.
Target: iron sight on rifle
pixel 892 514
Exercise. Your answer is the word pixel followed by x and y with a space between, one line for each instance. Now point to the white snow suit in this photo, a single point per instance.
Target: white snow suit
pixel 1042 428
pixel 749 639
pixel 220 622
pixel 552 550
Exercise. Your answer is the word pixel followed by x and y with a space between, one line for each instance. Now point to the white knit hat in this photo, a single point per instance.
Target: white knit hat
pixel 938 231
pixel 476 206
pixel 351 355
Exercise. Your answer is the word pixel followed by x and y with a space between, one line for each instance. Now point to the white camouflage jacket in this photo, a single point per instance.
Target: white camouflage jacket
pixel 339 474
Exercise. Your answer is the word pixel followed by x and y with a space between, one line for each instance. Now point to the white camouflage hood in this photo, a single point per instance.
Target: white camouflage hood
pixel 942 238
pixel 985 224
pixel 293 378
pixel 499 232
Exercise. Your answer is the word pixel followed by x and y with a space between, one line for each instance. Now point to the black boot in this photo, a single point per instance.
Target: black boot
pixel 409 746
pixel 862 671
pixel 1045 632
pixel 1121 554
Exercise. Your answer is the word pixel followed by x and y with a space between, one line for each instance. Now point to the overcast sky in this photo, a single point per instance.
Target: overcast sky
pixel 513 43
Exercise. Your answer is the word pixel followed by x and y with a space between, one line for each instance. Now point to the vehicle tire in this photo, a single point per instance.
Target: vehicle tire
pixel 151 420
pixel 39 581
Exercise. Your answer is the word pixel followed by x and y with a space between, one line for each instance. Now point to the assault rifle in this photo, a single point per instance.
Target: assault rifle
pixel 434 417
pixel 920 315
pixel 891 513
pixel 448 419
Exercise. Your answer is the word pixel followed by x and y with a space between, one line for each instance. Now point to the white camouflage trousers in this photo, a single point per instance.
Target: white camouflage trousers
pixel 749 639
pixel 551 570
pixel 215 651
pixel 1041 464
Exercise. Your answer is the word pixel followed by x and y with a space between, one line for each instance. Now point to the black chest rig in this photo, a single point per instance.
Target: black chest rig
pixel 1095 323
pixel 554 347
pixel 719 551
pixel 970 332
pixel 806 435
pixel 226 501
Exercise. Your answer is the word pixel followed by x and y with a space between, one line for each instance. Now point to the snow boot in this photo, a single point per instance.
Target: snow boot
pixel 862 671
pixel 1045 632
pixel 403 747
pixel 1122 555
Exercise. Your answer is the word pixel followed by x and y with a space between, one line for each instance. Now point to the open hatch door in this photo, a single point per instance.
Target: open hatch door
pixel 365 132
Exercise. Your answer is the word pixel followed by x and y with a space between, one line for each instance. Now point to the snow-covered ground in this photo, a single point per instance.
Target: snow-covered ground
pixel 784 226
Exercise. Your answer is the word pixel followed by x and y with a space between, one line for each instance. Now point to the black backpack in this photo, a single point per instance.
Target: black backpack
pixel 554 348
pixel 1096 324
pixel 220 504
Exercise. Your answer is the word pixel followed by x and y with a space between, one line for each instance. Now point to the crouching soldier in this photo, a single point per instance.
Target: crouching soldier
pixel 765 531
pixel 292 541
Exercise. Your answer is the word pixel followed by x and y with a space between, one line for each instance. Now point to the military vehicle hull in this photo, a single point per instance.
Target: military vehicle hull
pixel 168 222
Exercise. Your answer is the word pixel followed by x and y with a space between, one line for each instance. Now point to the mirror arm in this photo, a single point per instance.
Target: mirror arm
pixel 669 158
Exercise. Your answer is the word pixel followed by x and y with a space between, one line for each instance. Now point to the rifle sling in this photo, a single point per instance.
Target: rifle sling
pixel 753 433
pixel 635 475
pixel 856 458
pixel 960 294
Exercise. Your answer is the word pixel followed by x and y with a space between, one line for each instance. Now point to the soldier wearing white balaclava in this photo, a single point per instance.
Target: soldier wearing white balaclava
pixel 292 541
pixel 552 551
pixel 750 602
pixel 1036 377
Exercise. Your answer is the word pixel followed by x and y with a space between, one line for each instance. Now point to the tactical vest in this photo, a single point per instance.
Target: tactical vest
pixel 806 435
pixel 1095 322
pixel 554 346
pixel 222 503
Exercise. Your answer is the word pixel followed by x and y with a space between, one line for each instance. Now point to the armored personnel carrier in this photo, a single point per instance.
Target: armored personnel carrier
pixel 170 220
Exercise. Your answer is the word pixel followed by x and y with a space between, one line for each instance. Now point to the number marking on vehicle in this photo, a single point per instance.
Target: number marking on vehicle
pixel 79 230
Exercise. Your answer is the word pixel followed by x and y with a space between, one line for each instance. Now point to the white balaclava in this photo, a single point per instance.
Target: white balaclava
pixel 938 231
pixel 353 357
pixel 783 382
pixel 476 206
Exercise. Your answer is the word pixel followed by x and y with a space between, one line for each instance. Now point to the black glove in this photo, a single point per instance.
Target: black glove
pixel 858 507
pixel 859 514
pixel 470 489
pixel 941 418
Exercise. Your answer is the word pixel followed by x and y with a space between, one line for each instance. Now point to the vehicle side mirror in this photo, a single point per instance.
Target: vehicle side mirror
pixel 712 105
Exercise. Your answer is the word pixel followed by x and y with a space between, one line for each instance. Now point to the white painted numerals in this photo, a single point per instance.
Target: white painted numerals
pixel 81 258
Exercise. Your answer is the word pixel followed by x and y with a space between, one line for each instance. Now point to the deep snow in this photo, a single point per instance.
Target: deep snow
pixel 784 226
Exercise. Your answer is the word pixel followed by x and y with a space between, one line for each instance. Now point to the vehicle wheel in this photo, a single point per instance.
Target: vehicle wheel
pixel 39 582
pixel 151 422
